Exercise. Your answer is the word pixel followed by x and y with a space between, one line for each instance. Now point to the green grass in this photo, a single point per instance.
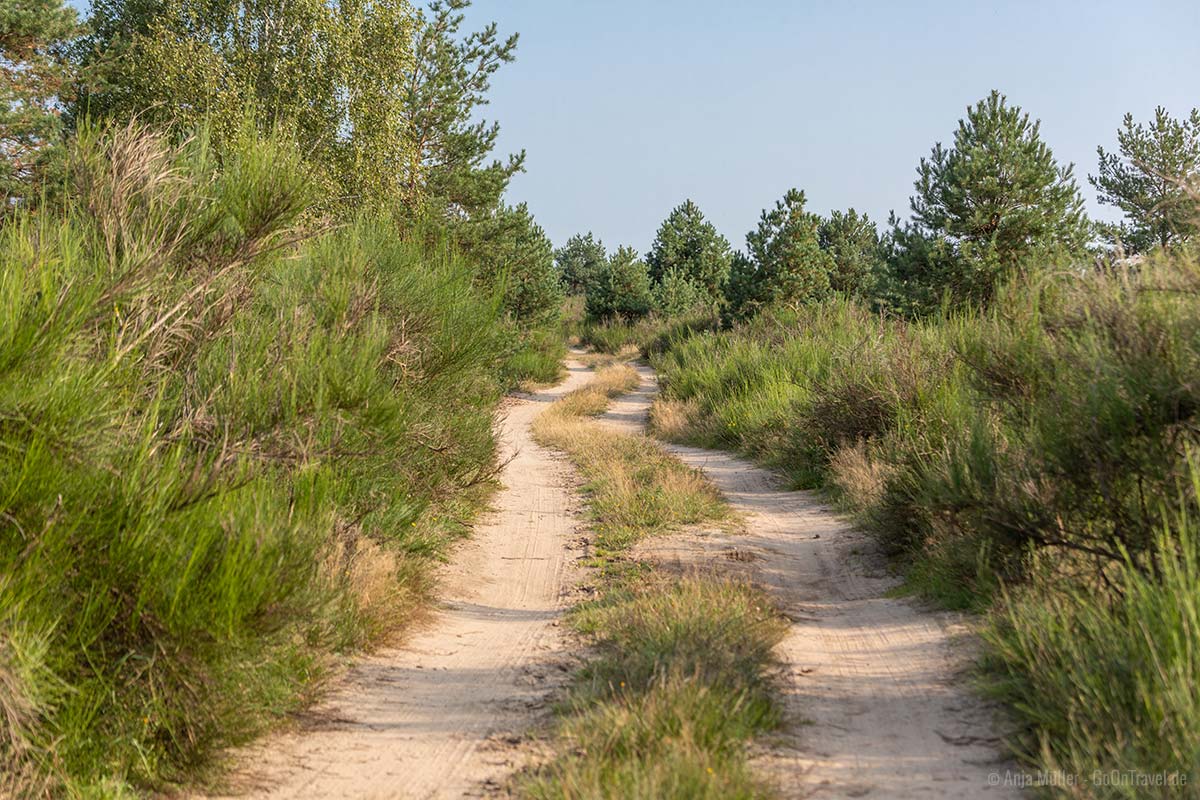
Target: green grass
pixel 634 488
pixel 231 446
pixel 681 676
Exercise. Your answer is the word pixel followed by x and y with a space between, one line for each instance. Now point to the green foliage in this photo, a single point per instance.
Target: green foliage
pixel 991 204
pixel 744 292
pixel 580 262
pixel 622 289
pixel 382 99
pixel 514 255
pixel 687 244
pixel 1148 179
pixel 446 163
pixel 677 294
pixel 229 472
pixel 789 266
pixel 852 241
pixel 1058 420
pixel 1106 680
pixel 333 74
pixel 1045 445
pixel 33 36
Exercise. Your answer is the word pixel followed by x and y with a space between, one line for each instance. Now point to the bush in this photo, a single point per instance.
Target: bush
pixel 622 289
pixel 677 295
pixel 1104 679
pixel 225 476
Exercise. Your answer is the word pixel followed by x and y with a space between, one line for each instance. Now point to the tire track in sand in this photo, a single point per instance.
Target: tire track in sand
pixel 436 717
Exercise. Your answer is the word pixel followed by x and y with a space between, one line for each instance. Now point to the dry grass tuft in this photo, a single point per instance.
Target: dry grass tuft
pixel 859 478
pixel 675 420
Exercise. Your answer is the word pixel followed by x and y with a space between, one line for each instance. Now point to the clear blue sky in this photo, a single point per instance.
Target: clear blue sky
pixel 626 107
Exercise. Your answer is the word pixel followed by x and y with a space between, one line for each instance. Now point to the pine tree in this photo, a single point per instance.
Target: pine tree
pixel 994 203
pixel 790 266
pixel 852 241
pixel 448 148
pixel 687 243
pixel 677 294
pixel 512 252
pixel 1148 180
pixel 622 290
pixel 580 261
pixel 33 37
pixel 744 292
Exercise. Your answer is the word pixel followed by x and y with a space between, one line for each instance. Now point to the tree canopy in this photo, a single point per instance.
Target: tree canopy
pixel 622 290
pixel 1148 178
pixel 789 264
pixel 852 242
pixel 994 202
pixel 688 244
pixel 33 39
pixel 580 261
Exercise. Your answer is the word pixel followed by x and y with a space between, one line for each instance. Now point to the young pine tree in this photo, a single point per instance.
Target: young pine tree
pixel 852 241
pixel 994 202
pixel 790 266
pixel 1148 179
pixel 622 290
pixel 580 261
pixel 512 252
pixel 688 244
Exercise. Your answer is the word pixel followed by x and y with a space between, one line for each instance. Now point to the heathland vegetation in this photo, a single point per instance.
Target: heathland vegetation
pixel 1005 393
pixel 260 294
pixel 261 291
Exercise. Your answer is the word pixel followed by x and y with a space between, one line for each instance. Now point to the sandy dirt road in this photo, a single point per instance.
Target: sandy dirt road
pixel 879 680
pixel 437 717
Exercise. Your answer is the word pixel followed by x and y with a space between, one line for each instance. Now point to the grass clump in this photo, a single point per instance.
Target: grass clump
pixel 681 678
pixel 681 682
pixel 225 432
pixel 635 489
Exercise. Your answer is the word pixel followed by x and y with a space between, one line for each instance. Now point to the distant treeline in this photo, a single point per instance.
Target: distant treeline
pixel 992 205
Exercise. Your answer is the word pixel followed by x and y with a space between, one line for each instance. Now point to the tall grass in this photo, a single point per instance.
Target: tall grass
pixel 1107 681
pixel 224 434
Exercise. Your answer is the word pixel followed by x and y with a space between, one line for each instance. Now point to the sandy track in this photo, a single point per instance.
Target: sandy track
pixel 880 680
pixel 437 717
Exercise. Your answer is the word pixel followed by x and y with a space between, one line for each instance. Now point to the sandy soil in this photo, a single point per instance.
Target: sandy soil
pixel 879 681
pixel 439 717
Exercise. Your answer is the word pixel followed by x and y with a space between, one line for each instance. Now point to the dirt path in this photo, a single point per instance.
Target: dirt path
pixel 880 680
pixel 437 718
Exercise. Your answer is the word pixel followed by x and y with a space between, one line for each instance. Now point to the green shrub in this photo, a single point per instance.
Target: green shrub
pixel 218 434
pixel 621 290
pixel 1104 677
